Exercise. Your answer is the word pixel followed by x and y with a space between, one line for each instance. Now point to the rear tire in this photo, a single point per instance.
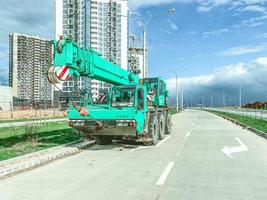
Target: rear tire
pixel 103 140
pixel 162 125
pixel 153 129
pixel 168 123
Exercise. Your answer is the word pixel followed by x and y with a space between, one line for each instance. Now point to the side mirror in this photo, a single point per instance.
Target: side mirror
pixel 166 93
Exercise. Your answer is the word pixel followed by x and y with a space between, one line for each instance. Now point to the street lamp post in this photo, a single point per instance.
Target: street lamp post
pixel 177 94
pixel 145 26
pixel 182 95
pixel 240 96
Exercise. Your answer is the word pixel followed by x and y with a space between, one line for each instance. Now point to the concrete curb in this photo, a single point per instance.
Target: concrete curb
pixel 37 159
pixel 256 131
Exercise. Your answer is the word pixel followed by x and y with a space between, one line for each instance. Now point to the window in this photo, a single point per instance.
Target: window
pixel 123 96
pixel 140 100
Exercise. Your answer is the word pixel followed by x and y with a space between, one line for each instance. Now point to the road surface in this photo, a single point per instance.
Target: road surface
pixel 188 165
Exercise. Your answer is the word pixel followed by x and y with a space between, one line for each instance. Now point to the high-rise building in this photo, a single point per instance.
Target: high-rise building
pixel 29 59
pixel 98 24
pixel 136 58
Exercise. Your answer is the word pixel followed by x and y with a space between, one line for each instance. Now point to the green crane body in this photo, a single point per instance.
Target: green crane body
pixel 134 108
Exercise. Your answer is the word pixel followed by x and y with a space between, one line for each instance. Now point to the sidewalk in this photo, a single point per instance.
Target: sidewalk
pixel 29 161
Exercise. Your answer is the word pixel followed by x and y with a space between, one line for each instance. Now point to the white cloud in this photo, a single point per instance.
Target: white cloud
pixel 4 76
pixel 237 51
pixel 134 4
pixel 173 26
pixel 2 55
pixel 227 79
pixel 165 31
pixel 262 36
pixel 240 5
pixel 206 5
pixel 254 8
pixel 215 32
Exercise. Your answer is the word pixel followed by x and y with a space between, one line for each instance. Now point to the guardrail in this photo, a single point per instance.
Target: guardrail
pixel 252 113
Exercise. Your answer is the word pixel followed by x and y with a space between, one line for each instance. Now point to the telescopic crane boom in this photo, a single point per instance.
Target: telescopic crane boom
pixel 71 60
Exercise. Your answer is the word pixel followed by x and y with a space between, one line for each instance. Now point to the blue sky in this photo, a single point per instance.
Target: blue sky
pixel 215 45
pixel 200 41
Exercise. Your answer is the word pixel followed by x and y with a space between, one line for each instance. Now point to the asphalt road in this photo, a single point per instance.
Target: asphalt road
pixel 188 165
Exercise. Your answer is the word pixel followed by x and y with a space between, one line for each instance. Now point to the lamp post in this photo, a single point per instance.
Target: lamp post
pixel 145 26
pixel 177 94
pixel 240 96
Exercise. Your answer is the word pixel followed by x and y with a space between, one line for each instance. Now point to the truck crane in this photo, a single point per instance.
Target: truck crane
pixel 134 109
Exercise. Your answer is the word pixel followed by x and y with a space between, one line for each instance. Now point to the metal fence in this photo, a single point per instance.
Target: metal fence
pixel 252 113
pixel 10 111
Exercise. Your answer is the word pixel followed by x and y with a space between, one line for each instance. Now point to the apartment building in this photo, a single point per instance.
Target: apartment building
pixel 29 58
pixel 136 57
pixel 98 24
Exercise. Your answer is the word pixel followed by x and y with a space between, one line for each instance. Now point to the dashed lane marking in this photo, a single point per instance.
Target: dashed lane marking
pixel 165 174
pixel 150 147
pixel 188 134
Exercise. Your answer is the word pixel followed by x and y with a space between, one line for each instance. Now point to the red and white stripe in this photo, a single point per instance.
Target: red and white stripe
pixel 58 74
pixel 63 73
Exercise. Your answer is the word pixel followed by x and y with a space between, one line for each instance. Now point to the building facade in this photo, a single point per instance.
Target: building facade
pixel 136 57
pixel 6 98
pixel 29 59
pixel 98 24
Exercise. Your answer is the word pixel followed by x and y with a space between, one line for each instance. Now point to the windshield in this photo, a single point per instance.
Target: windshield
pixel 123 97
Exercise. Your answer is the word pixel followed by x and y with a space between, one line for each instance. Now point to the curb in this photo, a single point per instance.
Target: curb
pixel 254 130
pixel 37 159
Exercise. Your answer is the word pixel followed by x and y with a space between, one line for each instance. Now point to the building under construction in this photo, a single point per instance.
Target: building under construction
pixel 30 56
pixel 98 24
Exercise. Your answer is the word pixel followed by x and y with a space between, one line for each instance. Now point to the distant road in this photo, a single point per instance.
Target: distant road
pixel 15 124
pixel 258 114
pixel 205 158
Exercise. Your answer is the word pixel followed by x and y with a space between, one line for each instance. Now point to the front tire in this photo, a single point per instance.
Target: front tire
pixel 153 129
pixel 168 123
pixel 162 125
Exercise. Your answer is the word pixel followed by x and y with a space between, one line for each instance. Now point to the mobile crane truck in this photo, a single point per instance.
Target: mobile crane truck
pixel 134 109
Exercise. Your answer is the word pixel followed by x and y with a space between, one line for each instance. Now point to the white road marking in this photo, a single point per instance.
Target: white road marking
pixel 188 134
pixel 165 174
pixel 150 147
pixel 162 141
pixel 229 151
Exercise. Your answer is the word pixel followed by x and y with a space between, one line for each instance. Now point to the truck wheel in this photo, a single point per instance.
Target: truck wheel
pixel 153 129
pixel 162 125
pixel 103 140
pixel 168 123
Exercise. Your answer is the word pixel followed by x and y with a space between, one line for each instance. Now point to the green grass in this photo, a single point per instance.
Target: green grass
pixel 254 123
pixel 16 141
